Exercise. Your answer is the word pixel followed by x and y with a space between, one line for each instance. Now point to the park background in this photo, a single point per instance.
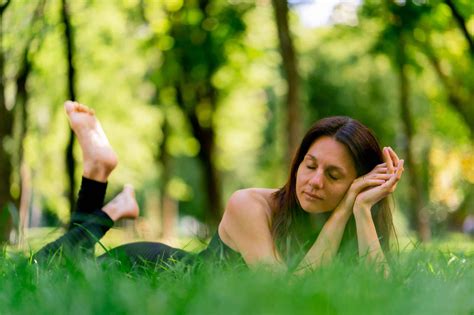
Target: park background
pixel 200 98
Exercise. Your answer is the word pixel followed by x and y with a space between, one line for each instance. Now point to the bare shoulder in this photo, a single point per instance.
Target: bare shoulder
pixel 244 209
pixel 246 225
pixel 252 200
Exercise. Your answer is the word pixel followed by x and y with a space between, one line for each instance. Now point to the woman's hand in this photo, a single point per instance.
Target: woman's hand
pixel 367 198
pixel 367 238
pixel 378 176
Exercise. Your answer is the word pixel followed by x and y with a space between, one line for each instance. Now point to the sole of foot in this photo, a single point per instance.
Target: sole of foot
pixel 98 155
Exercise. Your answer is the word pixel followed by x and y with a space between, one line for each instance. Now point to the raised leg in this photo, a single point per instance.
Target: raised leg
pixel 81 238
pixel 98 156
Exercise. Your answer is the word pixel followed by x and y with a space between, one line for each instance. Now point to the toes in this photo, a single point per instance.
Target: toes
pixel 129 189
pixel 82 108
pixel 69 106
pixel 85 109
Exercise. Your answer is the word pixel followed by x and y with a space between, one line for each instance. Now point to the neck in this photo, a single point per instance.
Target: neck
pixel 318 219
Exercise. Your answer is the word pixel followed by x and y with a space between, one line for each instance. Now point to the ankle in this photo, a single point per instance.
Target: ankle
pixel 96 172
pixel 112 212
pixel 96 176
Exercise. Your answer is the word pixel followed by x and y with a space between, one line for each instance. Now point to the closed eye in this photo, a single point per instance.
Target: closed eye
pixel 333 176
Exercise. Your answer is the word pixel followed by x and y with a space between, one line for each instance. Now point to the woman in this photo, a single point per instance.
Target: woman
pixel 338 172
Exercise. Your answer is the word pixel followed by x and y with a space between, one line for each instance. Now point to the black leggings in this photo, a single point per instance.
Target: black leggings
pixel 89 224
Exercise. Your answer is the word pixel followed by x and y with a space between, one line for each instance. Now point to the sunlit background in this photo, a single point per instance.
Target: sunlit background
pixel 194 101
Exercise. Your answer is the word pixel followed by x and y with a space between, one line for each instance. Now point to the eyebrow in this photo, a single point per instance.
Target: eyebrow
pixel 336 168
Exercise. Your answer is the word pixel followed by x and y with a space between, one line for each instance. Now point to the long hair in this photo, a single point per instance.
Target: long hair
pixel 291 228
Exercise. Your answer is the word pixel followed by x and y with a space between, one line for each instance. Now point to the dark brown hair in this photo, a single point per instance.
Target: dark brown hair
pixel 290 223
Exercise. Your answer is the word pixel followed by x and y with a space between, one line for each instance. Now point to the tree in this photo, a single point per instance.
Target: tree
pixel 71 89
pixel 420 217
pixel 21 114
pixel 461 21
pixel 290 67
pixel 459 82
pixel 198 32
pixel 400 21
pixel 14 129
pixel 6 130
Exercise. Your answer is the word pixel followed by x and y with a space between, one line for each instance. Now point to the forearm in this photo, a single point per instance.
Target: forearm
pixel 327 244
pixel 368 241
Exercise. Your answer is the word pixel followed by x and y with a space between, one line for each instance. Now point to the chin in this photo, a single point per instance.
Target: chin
pixel 318 206
pixel 314 208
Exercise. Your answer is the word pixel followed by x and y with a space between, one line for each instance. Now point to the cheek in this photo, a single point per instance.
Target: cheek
pixel 340 191
pixel 299 178
pixel 299 184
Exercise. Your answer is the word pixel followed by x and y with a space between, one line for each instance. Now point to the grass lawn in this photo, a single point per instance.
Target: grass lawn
pixel 434 279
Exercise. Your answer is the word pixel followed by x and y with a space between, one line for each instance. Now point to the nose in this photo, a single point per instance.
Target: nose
pixel 317 180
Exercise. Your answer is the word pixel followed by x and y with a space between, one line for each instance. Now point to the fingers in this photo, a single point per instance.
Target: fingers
pixel 378 186
pixel 383 176
pixel 388 160
pixel 380 168
pixel 400 168
pixel 391 184
pixel 373 182
pixel 377 177
pixel 370 180
pixel 393 156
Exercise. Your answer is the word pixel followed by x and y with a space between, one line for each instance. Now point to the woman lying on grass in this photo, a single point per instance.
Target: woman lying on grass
pixel 335 199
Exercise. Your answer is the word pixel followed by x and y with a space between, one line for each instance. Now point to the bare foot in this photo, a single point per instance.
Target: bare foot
pixel 99 157
pixel 124 205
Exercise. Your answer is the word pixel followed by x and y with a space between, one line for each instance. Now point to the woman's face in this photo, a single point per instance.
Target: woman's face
pixel 324 175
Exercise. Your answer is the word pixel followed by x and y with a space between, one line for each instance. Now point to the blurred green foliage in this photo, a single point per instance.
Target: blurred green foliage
pixel 132 55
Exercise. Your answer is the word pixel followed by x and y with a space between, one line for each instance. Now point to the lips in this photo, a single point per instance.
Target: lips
pixel 312 196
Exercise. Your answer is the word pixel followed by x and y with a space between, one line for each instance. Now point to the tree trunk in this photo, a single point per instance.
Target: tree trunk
pixel 6 131
pixel 205 137
pixel 165 211
pixel 21 118
pixel 419 216
pixel 17 119
pixel 71 71
pixel 463 105
pixel 291 72
pixel 462 25
pixel 169 206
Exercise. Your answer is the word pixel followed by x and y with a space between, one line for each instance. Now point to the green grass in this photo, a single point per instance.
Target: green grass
pixel 422 281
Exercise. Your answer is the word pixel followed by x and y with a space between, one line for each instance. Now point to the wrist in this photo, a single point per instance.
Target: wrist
pixel 341 216
pixel 344 208
pixel 362 211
